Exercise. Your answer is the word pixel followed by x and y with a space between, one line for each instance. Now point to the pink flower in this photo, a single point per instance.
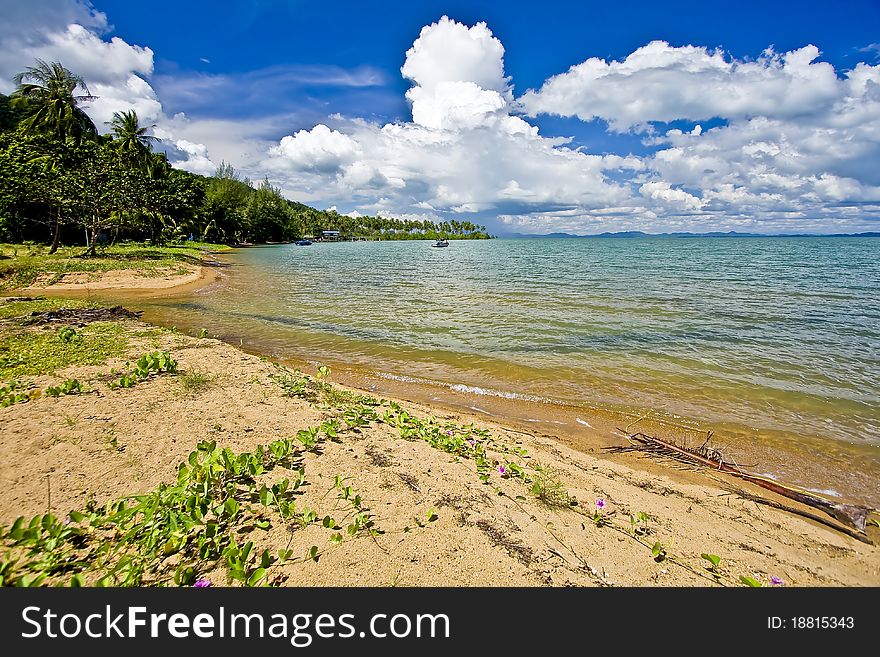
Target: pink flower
pixel 600 503
pixel 502 469
pixel 202 583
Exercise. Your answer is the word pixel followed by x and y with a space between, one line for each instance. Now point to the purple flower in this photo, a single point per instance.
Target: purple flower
pixel 448 433
pixel 777 581
pixel 472 442
pixel 202 583
pixel 600 503
pixel 502 469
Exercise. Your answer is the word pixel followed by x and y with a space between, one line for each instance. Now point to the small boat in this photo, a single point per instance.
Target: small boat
pixel 440 243
pixel 303 243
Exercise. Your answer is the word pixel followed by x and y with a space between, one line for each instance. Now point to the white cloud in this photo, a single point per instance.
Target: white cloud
pixel 464 152
pixel 662 192
pixel 319 149
pixel 800 140
pixel 659 82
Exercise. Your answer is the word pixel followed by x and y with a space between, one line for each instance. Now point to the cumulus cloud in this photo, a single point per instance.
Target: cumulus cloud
pixel 799 140
pixel 661 192
pixel 463 152
pixel 659 82
pixel 319 149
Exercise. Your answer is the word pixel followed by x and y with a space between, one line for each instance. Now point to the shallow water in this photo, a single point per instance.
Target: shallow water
pixel 769 341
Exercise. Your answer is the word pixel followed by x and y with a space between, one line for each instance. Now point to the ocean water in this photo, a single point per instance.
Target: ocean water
pixel 768 341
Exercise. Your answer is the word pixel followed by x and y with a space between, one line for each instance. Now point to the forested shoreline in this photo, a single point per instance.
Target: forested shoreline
pixel 62 182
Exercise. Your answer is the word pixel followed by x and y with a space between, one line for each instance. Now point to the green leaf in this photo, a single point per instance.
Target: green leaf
pixel 714 559
pixel 432 515
pixel 313 553
pixel 256 576
pixel 748 581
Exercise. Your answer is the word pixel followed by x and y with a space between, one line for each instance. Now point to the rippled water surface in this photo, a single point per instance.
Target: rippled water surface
pixel 774 337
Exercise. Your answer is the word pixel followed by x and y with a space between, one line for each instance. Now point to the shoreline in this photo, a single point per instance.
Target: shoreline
pixel 113 442
pixel 587 428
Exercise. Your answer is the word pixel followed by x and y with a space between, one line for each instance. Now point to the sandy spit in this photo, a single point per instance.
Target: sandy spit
pixel 127 282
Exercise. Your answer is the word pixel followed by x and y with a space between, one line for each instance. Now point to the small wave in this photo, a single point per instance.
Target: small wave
pixel 461 387
pixel 476 390
pixel 403 378
pixel 479 410
pixel 586 424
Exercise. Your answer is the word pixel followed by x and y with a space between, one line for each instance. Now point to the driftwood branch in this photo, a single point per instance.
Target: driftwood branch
pixel 851 515
pixel 757 499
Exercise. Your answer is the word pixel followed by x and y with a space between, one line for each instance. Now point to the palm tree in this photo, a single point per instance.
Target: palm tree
pixel 131 138
pixel 48 92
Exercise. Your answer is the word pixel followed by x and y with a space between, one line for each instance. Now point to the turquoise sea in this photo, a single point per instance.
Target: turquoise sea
pixel 768 341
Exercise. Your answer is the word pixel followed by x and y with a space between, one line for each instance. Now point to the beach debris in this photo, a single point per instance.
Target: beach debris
pixel 851 515
pixel 82 316
pixel 22 299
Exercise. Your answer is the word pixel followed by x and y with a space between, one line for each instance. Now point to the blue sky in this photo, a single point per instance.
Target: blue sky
pixel 540 39
pixel 308 95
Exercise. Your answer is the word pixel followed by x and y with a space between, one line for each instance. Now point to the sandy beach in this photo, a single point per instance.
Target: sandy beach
pixel 624 521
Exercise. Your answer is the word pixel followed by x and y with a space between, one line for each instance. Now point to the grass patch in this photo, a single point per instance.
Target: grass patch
pixel 548 488
pixel 37 352
pixel 194 382
pixel 22 264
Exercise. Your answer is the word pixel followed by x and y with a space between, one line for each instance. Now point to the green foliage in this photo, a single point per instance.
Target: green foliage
pixel 659 552
pixel 68 334
pixel 749 581
pixel 69 387
pixel 34 352
pixel 158 362
pixel 295 384
pixel 713 559
pixel 16 392
pixel 639 524
pixel 171 534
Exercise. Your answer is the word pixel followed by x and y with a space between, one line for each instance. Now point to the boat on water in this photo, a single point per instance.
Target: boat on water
pixel 303 243
pixel 440 243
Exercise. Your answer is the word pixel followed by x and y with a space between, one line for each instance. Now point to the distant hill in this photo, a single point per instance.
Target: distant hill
pixel 636 234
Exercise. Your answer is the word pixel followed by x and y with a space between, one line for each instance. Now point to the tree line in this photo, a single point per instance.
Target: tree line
pixel 61 181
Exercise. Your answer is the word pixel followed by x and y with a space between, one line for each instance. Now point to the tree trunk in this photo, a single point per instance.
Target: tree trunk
pixel 94 241
pixel 57 235
pixel 115 235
